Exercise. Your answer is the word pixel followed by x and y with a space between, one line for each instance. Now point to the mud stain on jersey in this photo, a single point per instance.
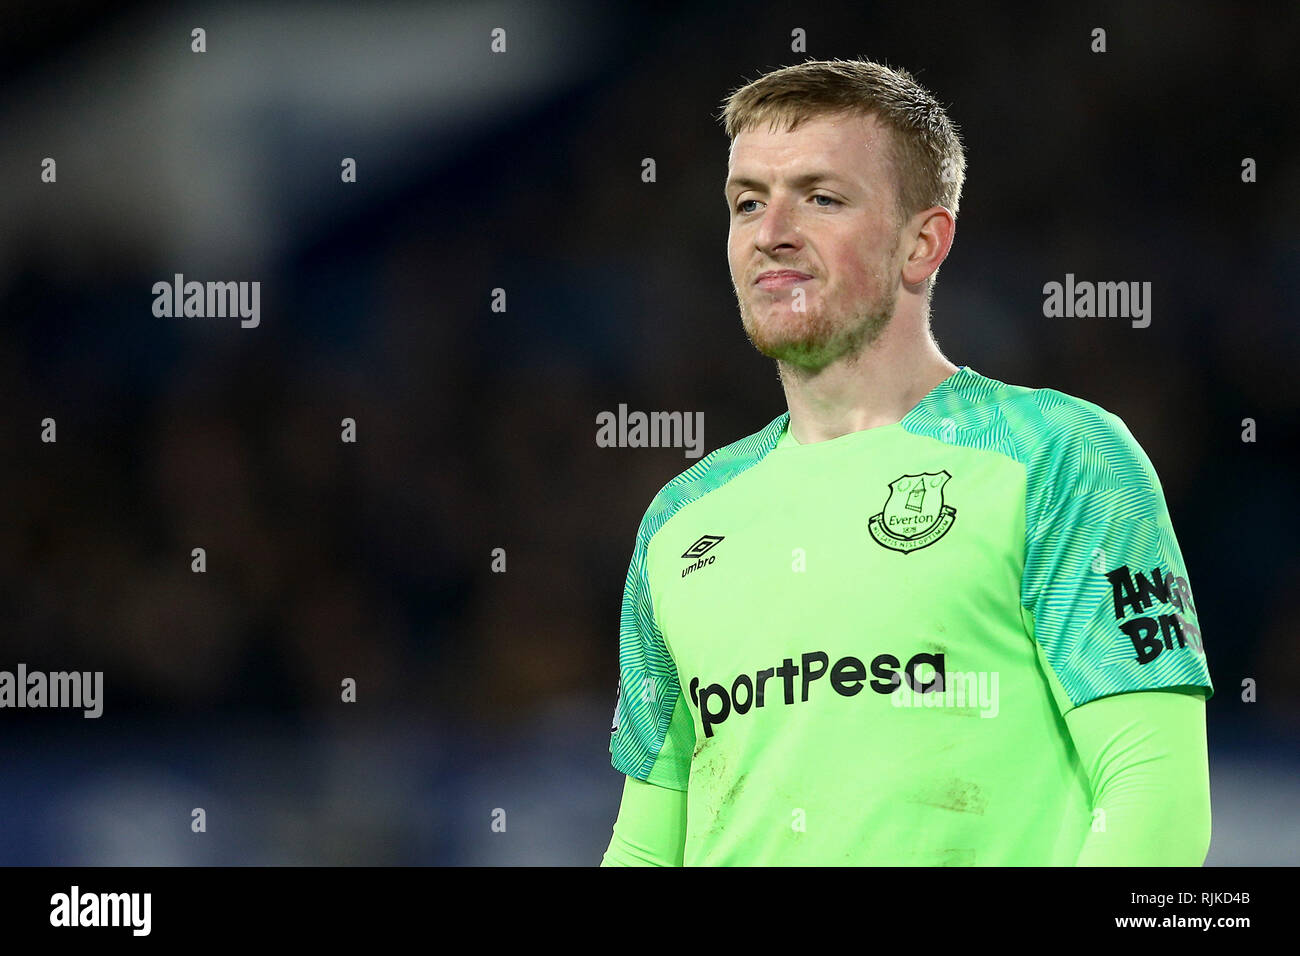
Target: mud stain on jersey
pixel 961 796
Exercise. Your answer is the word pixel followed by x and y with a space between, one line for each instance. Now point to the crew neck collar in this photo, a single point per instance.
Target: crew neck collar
pixel 788 439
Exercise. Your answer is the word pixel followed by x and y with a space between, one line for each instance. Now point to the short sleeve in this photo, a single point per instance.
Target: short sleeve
pixel 653 733
pixel 1105 592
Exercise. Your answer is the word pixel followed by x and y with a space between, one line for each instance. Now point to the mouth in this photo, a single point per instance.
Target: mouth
pixel 781 279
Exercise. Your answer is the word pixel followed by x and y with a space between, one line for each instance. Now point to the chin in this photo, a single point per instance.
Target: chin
pixel 799 350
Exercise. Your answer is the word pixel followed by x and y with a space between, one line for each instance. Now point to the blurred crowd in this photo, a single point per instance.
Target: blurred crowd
pixel 475 428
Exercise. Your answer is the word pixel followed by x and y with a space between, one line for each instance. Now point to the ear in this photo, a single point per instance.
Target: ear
pixel 931 234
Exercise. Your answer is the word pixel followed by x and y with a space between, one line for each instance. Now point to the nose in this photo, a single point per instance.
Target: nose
pixel 778 229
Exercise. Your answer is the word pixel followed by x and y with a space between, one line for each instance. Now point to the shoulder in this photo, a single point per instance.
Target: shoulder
pixel 1082 463
pixel 710 473
pixel 1051 431
pixel 1085 444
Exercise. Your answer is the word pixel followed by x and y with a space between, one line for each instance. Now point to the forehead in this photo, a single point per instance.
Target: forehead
pixel 848 145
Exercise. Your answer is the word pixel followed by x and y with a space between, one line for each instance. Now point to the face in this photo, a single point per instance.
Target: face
pixel 816 207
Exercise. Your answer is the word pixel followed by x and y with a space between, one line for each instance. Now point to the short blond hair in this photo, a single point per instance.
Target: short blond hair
pixel 925 147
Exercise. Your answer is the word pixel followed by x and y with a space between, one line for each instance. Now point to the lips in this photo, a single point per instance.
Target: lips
pixel 780 279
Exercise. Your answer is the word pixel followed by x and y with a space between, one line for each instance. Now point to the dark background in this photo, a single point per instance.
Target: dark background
pixel 522 171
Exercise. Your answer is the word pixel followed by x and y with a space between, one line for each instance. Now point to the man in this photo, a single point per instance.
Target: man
pixel 924 617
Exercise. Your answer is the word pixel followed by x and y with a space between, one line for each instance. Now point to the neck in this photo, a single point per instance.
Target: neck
pixel 877 386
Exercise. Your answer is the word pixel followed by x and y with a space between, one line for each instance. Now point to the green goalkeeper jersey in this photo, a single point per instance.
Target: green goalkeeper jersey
pixel 862 650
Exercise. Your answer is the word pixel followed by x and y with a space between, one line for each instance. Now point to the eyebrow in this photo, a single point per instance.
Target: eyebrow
pixel 804 179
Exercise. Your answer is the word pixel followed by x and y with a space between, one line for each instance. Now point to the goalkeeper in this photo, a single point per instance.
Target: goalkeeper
pixel 922 617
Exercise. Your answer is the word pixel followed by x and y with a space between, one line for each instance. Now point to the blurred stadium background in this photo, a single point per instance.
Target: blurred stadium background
pixel 521 171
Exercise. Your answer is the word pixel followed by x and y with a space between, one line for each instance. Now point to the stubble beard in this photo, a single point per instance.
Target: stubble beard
pixel 809 341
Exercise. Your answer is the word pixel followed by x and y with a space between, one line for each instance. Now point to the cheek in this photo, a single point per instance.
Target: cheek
pixel 857 274
pixel 733 248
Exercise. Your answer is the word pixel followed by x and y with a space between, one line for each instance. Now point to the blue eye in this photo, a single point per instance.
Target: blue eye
pixel 740 207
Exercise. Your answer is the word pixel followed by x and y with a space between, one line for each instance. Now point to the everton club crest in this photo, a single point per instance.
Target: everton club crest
pixel 915 516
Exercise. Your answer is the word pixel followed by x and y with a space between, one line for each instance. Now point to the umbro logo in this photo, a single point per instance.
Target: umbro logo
pixel 698 551
pixel 705 544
